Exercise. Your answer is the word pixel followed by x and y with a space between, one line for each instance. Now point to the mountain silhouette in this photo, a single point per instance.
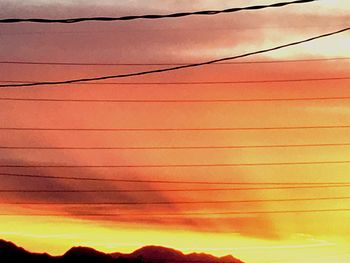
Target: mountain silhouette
pixel 162 254
pixel 10 253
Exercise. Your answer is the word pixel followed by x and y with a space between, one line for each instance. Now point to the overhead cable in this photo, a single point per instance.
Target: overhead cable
pixel 172 190
pixel 182 202
pixel 172 147
pixel 189 165
pixel 141 73
pixel 276 61
pixel 199 82
pixel 155 16
pixel 100 179
pixel 178 214
pixel 175 100
pixel 177 129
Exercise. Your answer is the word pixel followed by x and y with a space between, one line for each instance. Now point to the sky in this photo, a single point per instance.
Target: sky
pixel 289 237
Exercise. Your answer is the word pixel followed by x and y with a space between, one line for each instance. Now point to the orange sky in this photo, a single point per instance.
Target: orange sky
pixel 310 237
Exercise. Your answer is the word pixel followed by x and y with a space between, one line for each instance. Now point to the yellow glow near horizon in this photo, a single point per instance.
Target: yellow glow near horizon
pixel 42 235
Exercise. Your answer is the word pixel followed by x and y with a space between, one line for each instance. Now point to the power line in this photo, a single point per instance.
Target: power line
pixel 177 129
pixel 222 28
pixel 181 202
pixel 172 190
pixel 173 15
pixel 161 181
pixel 184 214
pixel 167 64
pixel 174 147
pixel 175 100
pixel 199 82
pixel 177 165
pixel 176 67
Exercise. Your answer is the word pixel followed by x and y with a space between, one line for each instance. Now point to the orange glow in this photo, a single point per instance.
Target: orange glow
pixel 294 237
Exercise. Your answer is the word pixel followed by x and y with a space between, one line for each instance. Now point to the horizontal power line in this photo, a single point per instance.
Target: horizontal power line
pixel 173 15
pixel 220 28
pixel 182 202
pixel 167 64
pixel 199 82
pixel 182 214
pixel 177 165
pixel 141 73
pixel 38 176
pixel 176 129
pixel 172 190
pixel 183 29
pixel 175 147
pixel 175 100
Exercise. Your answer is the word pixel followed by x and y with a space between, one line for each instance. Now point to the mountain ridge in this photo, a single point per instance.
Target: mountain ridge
pixel 9 253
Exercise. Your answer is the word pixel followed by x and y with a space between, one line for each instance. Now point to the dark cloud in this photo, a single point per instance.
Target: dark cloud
pixel 241 224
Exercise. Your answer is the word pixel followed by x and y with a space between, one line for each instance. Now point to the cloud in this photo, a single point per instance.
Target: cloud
pixel 244 225
pixel 145 41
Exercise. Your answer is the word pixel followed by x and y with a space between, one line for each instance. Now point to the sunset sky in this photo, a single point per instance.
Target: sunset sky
pixel 265 237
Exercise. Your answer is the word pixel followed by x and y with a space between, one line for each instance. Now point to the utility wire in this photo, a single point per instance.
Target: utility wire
pixel 191 165
pixel 129 30
pixel 177 129
pixel 173 15
pixel 182 202
pixel 174 147
pixel 199 82
pixel 95 179
pixel 172 190
pixel 175 100
pixel 176 67
pixel 190 29
pixel 167 64
pixel 183 214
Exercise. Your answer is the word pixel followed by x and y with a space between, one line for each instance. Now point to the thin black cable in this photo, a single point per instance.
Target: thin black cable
pixel 176 129
pixel 173 15
pixel 174 147
pixel 191 165
pixel 174 68
pixel 226 28
pixel 183 214
pixel 172 190
pixel 175 100
pixel 53 63
pixel 182 202
pixel 95 179
pixel 177 165
pixel 199 82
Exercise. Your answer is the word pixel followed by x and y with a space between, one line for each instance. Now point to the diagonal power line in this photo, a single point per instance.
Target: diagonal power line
pixel 172 190
pixel 176 100
pixel 177 67
pixel 192 129
pixel 184 202
pixel 99 179
pixel 201 82
pixel 204 214
pixel 173 15
pixel 189 165
pixel 173 147
pixel 276 61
